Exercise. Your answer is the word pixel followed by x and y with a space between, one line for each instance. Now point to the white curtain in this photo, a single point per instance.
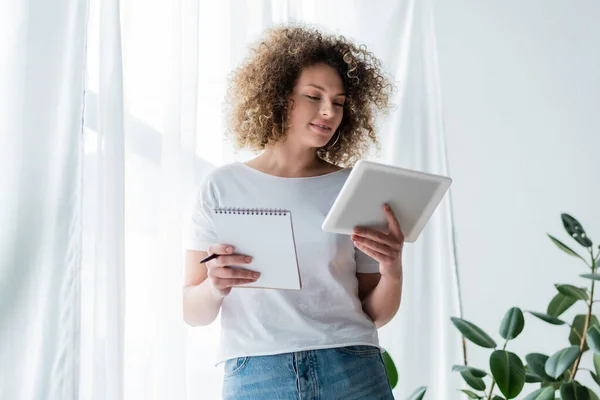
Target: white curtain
pixel 156 76
pixel 421 338
pixel 42 53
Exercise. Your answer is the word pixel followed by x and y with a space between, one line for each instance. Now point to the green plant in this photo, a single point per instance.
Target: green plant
pixel 392 374
pixel 553 373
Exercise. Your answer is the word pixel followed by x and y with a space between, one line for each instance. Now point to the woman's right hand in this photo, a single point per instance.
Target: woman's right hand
pixel 221 277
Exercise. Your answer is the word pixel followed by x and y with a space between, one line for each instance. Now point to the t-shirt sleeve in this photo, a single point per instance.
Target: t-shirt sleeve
pixel 201 232
pixel 365 264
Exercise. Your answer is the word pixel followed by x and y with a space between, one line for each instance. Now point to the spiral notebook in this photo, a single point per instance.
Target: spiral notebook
pixel 267 235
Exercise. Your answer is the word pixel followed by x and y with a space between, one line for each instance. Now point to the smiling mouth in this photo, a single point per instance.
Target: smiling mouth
pixel 323 127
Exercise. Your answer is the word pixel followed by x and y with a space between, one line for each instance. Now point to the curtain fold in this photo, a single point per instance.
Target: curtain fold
pixel 42 59
pixel 421 338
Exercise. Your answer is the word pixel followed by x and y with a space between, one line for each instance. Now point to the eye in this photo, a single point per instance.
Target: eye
pixel 339 104
pixel 312 97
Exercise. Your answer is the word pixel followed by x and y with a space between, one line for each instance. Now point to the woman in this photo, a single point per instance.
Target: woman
pixel 307 101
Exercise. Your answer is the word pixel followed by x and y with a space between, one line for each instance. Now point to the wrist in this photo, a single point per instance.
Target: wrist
pixel 215 294
pixel 393 276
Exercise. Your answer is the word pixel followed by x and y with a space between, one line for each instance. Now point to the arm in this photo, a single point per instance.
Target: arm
pixel 381 293
pixel 380 297
pixel 206 285
pixel 201 304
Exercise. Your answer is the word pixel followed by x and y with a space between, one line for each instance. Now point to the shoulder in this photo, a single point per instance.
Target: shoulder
pixel 221 173
pixel 217 178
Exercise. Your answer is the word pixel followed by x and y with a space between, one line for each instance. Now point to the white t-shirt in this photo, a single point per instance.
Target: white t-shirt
pixel 326 312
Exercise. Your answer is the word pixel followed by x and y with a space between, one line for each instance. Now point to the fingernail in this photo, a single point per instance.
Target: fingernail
pixel 229 249
pixel 387 207
pixel 256 275
pixel 248 259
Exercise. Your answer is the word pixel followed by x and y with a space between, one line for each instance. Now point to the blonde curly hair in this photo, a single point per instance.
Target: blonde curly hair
pixel 257 97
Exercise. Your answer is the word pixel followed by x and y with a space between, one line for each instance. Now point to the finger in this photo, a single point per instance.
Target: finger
pixel 222 283
pixel 231 273
pixel 224 260
pixel 380 257
pixel 379 247
pixel 220 249
pixel 392 221
pixel 377 236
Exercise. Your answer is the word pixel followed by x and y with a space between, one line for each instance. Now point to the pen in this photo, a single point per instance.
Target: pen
pixel 207 259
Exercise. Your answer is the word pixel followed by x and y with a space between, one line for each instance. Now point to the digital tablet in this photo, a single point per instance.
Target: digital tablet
pixel 412 195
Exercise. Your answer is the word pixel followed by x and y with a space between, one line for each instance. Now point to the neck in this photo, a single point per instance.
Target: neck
pixel 282 160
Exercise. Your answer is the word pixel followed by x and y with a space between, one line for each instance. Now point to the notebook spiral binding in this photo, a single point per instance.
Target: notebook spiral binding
pixel 251 211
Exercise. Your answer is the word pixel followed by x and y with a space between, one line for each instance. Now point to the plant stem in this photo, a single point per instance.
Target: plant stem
pixel 588 317
pixel 492 389
pixel 575 332
pixel 493 379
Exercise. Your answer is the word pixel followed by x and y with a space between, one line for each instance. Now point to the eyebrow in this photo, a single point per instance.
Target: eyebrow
pixel 321 88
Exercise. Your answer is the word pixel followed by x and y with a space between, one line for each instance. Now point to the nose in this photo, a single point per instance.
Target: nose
pixel 326 110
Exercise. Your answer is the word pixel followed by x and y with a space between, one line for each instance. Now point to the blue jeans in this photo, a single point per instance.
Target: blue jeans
pixel 353 372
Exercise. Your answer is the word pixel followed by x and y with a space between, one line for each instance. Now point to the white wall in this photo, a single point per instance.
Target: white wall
pixel 521 97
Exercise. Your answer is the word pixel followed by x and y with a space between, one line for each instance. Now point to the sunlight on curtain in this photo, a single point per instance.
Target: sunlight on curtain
pixel 174 84
pixel 42 54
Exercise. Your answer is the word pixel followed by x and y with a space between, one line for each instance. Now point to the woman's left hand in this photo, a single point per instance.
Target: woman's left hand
pixel 385 248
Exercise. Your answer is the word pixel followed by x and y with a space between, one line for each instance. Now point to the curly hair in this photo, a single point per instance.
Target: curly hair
pixel 258 92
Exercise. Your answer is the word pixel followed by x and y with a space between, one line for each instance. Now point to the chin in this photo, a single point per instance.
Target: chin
pixel 318 141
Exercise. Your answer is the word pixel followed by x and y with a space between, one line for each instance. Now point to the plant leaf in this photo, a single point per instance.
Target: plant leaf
pixel 537 363
pixel 471 394
pixel 596 360
pixel 577 329
pixel 564 247
pixel 390 368
pixel 418 394
pixel 532 377
pixel 512 324
pixel 546 393
pixel 572 292
pixel 559 304
pixel 475 383
pixel 477 373
pixel 574 228
pixel 474 333
pixel 593 395
pixel 497 398
pixel 508 371
pixel 593 338
pixel 561 361
pixel 547 318
pixel 595 277
pixel 573 391
pixel 553 384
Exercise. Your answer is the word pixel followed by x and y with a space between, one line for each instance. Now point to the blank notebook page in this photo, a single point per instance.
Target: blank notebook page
pixel 268 237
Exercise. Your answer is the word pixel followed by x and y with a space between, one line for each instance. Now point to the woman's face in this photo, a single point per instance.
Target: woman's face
pixel 316 106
